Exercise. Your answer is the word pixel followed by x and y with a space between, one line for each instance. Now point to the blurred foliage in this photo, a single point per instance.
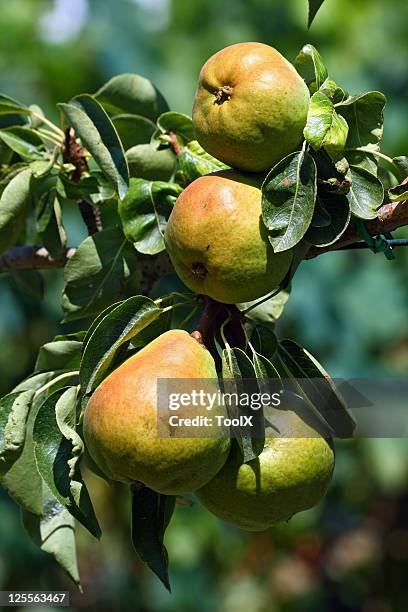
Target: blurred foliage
pixel 350 309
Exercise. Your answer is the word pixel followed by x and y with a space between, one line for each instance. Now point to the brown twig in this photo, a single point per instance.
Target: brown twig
pixel 209 325
pixel 389 218
pixel 174 143
pixel 32 258
pixel 73 153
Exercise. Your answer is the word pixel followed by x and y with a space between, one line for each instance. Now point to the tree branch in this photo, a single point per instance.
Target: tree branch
pixel 32 258
pixel 73 153
pixel 389 218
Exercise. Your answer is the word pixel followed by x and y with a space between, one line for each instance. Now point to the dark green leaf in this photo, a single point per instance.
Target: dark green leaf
pixel 14 409
pixel 144 213
pixel 49 224
pixel 95 276
pixel 402 163
pixel 288 199
pixel 195 162
pixel 324 127
pixel 96 320
pixel 311 68
pixel 13 208
pixel 317 387
pixel 131 93
pixel 75 190
pixel 133 129
pixel 151 513
pixel 364 115
pixel 239 376
pixel 314 6
pixel 264 341
pixel 99 136
pixel 366 193
pixel 58 450
pixel 118 327
pixel 339 218
pixel 59 355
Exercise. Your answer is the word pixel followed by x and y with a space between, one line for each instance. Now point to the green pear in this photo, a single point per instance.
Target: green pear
pixel 250 107
pixel 218 243
pixel 121 420
pixel 290 475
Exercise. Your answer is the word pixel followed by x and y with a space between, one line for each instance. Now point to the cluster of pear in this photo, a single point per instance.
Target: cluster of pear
pixel 249 112
pixel 121 431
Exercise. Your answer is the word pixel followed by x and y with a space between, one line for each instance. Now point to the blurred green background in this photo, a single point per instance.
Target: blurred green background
pixel 350 309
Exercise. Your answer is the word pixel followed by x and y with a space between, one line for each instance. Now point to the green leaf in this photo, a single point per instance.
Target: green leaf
pixel 42 168
pixel 339 218
pixel 314 6
pixel 333 91
pixel 398 193
pixel 99 136
pixel 366 193
pixel 14 409
pixel 238 373
pixel 133 129
pixel 97 273
pixel 267 312
pixel 36 116
pixel 288 199
pixel 147 162
pixel 324 127
pixel 131 93
pixel 9 106
pixel 58 449
pixel 402 163
pixel 364 115
pixel 311 68
pixel 317 387
pixel 54 533
pixel 22 481
pixel 75 190
pixel 151 514
pixel 96 320
pixel 195 162
pixel 23 141
pixel 59 355
pixel 144 213
pixel 49 526
pixel 13 209
pixel 118 327
pixel 180 124
pixel 264 341
pixel 49 224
